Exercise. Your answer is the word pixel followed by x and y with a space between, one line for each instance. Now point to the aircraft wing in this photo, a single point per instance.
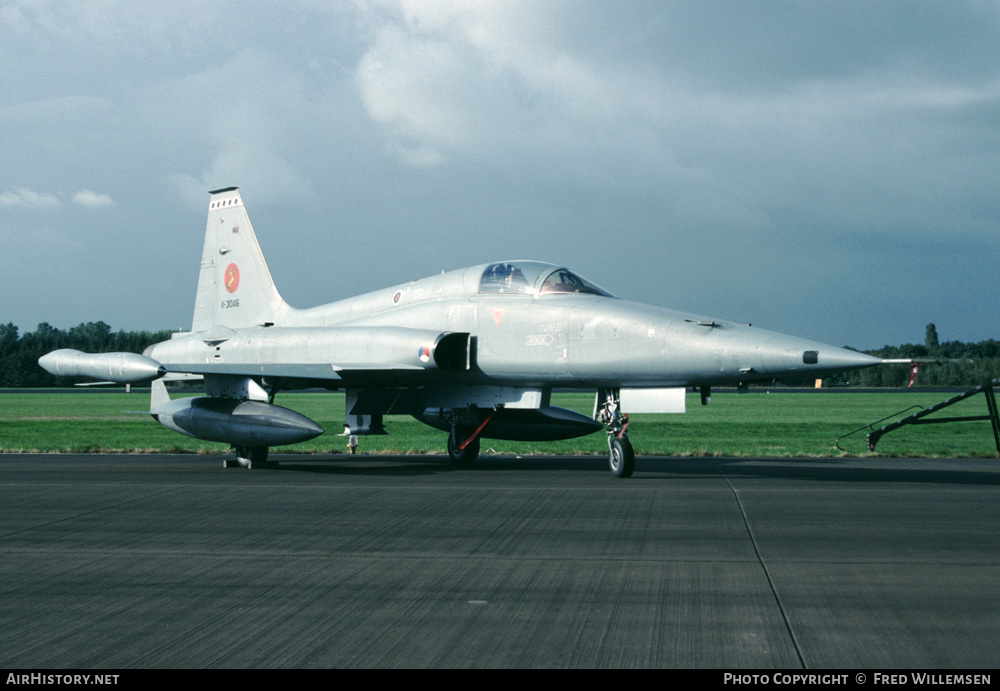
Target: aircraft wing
pixel 352 355
pixel 349 354
pixel 346 373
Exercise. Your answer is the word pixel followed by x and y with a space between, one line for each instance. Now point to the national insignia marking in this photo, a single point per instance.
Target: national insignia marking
pixel 232 278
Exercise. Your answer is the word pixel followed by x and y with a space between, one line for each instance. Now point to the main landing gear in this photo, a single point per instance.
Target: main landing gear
pixel 621 456
pixel 462 456
pixel 456 438
pixel 248 457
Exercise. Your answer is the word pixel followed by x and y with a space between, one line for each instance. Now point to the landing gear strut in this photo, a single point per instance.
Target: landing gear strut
pixel 621 456
pixel 248 457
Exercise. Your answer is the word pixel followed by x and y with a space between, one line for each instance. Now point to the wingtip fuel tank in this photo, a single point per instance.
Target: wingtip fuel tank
pixel 124 368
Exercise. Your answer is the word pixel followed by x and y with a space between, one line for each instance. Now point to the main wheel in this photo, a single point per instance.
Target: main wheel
pixel 250 456
pixel 462 456
pixel 621 458
pixel 258 457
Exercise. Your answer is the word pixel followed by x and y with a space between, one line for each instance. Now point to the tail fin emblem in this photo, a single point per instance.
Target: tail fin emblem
pixel 232 279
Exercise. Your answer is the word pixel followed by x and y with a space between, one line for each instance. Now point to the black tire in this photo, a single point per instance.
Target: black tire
pixel 258 457
pixel 462 456
pixel 252 456
pixel 621 458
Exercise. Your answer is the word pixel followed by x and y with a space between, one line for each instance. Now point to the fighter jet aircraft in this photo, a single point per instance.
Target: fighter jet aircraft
pixel 474 352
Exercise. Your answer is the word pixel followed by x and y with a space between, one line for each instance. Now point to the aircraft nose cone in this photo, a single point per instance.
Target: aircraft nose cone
pixel 783 356
pixel 838 358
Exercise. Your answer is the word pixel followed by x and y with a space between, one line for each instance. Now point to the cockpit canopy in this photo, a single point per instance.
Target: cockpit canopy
pixel 535 278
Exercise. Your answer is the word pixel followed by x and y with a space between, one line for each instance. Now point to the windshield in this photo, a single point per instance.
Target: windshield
pixel 565 281
pixel 505 278
pixel 534 278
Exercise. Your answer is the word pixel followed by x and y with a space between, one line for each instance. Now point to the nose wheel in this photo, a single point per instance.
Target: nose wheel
pixel 621 458
pixel 621 455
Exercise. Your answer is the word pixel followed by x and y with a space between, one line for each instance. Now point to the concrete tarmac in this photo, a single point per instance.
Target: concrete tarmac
pixel 379 561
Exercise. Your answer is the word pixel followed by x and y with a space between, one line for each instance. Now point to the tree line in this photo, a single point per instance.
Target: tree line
pixel 951 363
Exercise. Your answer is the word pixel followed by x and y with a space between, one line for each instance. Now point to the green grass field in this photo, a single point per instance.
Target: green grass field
pixel 754 424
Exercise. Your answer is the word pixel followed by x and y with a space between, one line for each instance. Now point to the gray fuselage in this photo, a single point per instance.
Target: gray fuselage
pixel 528 339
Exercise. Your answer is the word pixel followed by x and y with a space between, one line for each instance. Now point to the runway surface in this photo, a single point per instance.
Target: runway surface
pixel 377 561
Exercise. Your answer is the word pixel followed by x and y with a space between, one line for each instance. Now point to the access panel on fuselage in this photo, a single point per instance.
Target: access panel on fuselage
pixel 523 336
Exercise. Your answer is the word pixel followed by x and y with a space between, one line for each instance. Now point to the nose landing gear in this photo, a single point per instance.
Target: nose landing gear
pixel 621 455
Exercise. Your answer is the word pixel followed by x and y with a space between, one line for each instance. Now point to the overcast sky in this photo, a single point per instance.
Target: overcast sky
pixel 830 170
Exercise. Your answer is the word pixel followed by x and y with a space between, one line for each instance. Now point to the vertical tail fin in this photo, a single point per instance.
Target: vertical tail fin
pixel 235 288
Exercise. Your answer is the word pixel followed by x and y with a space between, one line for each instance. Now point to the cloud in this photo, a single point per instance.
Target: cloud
pixel 454 78
pixel 268 175
pixel 419 156
pixel 504 84
pixel 583 96
pixel 262 119
pixel 92 200
pixel 23 198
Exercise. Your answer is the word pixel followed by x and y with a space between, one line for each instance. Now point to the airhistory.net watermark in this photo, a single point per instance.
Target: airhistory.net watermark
pixel 47 679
